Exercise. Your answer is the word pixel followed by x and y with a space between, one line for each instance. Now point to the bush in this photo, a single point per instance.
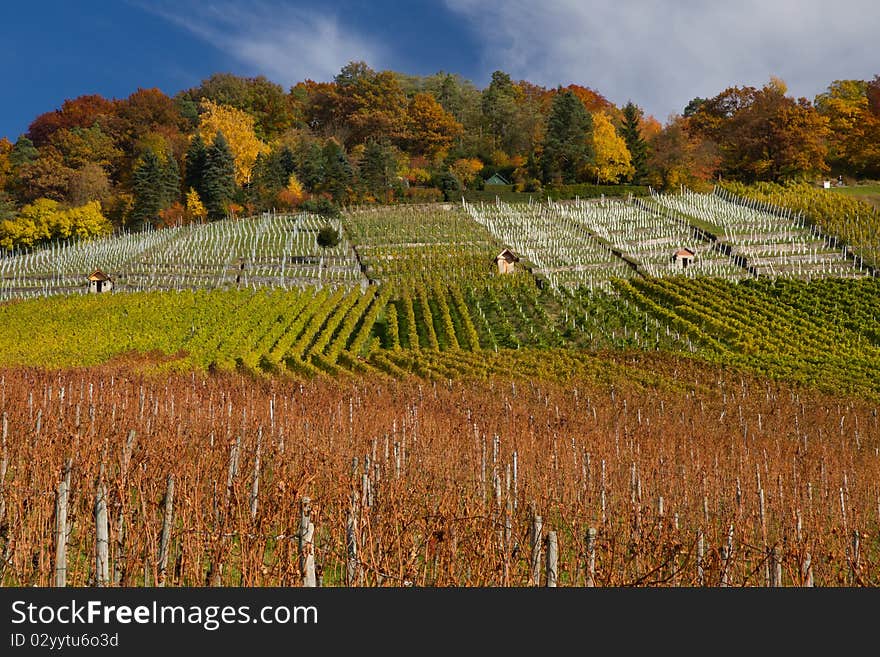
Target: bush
pixel 328 237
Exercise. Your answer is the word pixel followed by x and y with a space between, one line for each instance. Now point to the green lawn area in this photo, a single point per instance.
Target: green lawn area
pixel 869 193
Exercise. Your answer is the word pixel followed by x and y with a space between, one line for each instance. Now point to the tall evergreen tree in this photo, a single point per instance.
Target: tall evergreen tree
pixel 219 178
pixel 337 171
pixel 170 180
pixel 632 135
pixel 567 148
pixel 378 168
pixel 196 158
pixel 147 185
pixel 310 165
pixel 287 162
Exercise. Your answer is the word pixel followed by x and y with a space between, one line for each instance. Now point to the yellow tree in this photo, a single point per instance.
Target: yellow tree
pixel 5 163
pixel 84 221
pixel 612 160
pixel 854 141
pixel 194 206
pixel 238 128
pixel 466 169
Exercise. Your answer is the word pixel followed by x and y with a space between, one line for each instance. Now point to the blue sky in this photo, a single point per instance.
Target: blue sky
pixel 659 54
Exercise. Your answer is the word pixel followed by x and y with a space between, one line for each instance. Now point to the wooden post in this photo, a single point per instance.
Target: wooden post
pixel 552 560
pixel 102 537
pixel 725 560
pixel 806 562
pixel 776 566
pixel 352 570
pixel 536 534
pixel 306 544
pixel 4 463
pixel 255 482
pixel 856 556
pixel 701 551
pixel 61 528
pixel 165 538
pixel 591 556
pixel 120 567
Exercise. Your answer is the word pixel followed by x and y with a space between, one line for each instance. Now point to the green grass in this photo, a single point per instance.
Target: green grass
pixel 868 193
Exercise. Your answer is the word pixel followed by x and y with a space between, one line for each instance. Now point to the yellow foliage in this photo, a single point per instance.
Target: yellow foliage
pixel 612 158
pixel 195 209
pixel 46 219
pixel 85 221
pixel 294 186
pixel 465 169
pixel 238 128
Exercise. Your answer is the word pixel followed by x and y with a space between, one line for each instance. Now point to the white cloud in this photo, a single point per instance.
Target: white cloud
pixel 285 44
pixel 662 54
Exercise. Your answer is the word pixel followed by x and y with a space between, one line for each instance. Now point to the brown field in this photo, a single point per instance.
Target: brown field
pixel 730 480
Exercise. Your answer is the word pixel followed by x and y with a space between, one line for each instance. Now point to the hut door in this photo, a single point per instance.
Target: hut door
pixel 100 286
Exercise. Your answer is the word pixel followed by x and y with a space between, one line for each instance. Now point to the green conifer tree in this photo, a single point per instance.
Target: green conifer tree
pixel 194 165
pixel 631 134
pixel 567 148
pixel 147 186
pixel 219 178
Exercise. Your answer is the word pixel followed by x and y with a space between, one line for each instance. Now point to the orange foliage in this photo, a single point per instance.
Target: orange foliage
pixel 81 112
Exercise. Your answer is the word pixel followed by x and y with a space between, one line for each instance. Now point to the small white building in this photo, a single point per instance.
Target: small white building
pixel 506 261
pixel 99 282
pixel 684 257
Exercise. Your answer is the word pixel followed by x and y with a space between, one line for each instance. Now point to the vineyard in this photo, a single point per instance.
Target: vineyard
pixel 267 251
pixel 854 222
pixel 247 409
pixel 110 479
pixel 822 334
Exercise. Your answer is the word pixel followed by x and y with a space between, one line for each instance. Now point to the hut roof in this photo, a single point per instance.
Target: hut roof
pixel 508 255
pixel 684 253
pixel 497 179
pixel 98 275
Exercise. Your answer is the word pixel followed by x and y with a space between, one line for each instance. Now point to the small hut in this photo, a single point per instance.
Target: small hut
pixel 99 282
pixel 684 257
pixel 505 261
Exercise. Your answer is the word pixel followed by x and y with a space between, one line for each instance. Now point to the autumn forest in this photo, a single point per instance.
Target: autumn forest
pixel 236 146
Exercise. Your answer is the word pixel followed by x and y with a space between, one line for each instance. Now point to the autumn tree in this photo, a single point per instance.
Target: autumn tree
pixel 195 209
pixel 81 112
pixel 872 91
pixel 611 158
pixel 371 105
pixel 466 170
pixel 88 183
pixel 854 139
pixel 265 101
pixel 432 130
pixel 238 129
pixel 5 161
pixel 79 146
pixel 679 156
pixel 567 144
pixel 47 176
pixel 763 134
pixel 635 142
